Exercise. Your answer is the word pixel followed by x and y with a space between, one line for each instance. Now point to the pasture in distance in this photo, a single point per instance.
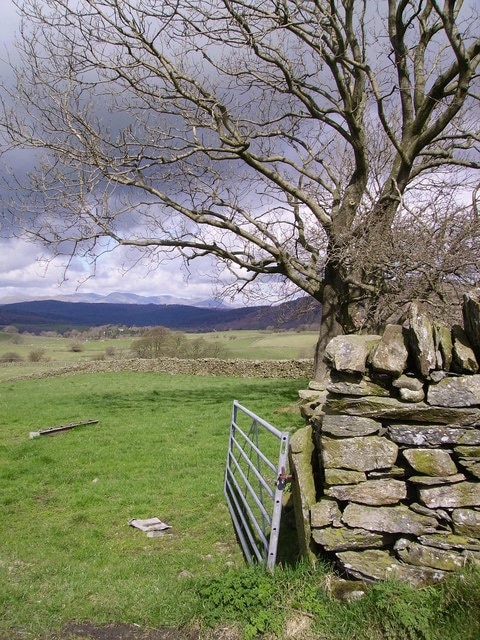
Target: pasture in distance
pixel 59 351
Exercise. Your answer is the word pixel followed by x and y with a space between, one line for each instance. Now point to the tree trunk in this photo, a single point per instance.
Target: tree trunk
pixel 332 323
pixel 329 328
pixel 343 312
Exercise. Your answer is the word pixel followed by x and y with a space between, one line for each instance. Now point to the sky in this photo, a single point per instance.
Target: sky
pixel 26 274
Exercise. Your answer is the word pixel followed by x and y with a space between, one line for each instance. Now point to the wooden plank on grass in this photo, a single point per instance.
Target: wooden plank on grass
pixel 63 427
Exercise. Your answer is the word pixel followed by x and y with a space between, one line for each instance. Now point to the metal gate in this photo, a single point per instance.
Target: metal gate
pixel 254 484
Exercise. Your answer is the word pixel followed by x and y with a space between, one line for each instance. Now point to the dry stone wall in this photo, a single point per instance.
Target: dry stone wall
pixel 180 366
pixel 394 442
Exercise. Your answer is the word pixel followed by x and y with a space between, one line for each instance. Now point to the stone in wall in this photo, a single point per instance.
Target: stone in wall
pixel 423 555
pixel 421 342
pixel 442 337
pixel 376 564
pixel 350 353
pixel 398 519
pixel 433 435
pixel 471 466
pixel 349 426
pixel 343 476
pixel 471 321
pixel 341 539
pixel 445 540
pixel 311 410
pixel 410 388
pixel 373 492
pixel 431 462
pixel 464 360
pixel 467 452
pixel 355 385
pixel 391 472
pixel 410 382
pixel 359 454
pixel 463 391
pixel 390 355
pixel 324 513
pixel 303 489
pixel 463 494
pixel 436 481
pixel 439 514
pixel 466 522
pixel 391 408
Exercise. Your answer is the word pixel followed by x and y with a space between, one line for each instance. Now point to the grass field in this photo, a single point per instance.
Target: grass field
pixel 159 449
pixel 59 351
pixel 67 553
pixel 266 345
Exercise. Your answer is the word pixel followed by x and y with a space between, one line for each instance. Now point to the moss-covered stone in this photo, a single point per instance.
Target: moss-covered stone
pixel 349 426
pixel 431 462
pixel 463 494
pixel 303 486
pixel 467 451
pixel 360 454
pixel 420 339
pixel 391 354
pixel 442 336
pixel 375 564
pixel 466 522
pixel 324 513
pixel 343 476
pixel 397 519
pixel 464 360
pixel 343 538
pixel 380 492
pixel 446 540
pixel 421 555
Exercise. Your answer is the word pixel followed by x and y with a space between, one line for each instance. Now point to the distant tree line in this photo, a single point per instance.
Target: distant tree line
pixel 161 342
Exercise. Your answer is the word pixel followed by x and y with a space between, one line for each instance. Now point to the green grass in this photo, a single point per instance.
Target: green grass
pixel 66 550
pixel 266 345
pixel 297 602
pixel 67 553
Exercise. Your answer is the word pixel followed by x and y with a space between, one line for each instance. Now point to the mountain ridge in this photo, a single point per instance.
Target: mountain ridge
pixel 119 297
pixel 44 315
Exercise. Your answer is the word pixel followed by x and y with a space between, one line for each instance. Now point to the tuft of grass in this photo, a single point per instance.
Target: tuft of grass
pixel 297 602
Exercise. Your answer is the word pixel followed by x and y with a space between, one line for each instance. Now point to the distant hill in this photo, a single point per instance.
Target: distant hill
pixel 55 315
pixel 119 297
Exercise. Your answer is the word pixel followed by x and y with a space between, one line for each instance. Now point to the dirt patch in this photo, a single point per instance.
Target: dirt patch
pixel 119 631
pixel 112 631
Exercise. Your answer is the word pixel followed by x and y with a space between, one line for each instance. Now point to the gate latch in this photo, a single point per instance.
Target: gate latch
pixel 282 479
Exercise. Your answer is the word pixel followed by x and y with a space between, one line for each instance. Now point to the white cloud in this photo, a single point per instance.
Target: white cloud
pixel 25 274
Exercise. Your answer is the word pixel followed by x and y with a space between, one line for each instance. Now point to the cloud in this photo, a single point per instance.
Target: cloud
pixel 27 273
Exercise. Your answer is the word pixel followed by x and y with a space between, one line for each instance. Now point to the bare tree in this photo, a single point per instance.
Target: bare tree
pixel 330 144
